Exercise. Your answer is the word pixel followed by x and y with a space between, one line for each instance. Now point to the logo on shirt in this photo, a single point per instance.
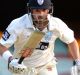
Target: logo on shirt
pixel 43 45
pixel 5 35
pixel 40 2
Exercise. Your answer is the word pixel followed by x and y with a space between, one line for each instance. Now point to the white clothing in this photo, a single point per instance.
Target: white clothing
pixel 47 69
pixel 20 29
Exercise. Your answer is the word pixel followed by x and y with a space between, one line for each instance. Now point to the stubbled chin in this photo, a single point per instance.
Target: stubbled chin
pixel 42 27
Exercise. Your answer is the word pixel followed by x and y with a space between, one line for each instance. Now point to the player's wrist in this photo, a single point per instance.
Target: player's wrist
pixel 77 62
pixel 6 55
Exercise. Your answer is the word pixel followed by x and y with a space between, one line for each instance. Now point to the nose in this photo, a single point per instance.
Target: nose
pixel 41 13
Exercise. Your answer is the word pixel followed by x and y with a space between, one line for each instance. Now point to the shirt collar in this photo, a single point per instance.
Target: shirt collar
pixel 29 20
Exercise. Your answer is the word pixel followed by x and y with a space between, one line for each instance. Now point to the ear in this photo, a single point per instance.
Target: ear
pixel 51 9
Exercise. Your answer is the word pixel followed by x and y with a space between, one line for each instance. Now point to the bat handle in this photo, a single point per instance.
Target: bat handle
pixel 25 54
pixel 74 62
pixel 20 60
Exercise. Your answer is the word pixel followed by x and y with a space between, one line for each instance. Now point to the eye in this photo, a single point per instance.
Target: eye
pixel 40 10
pixel 36 10
pixel 44 10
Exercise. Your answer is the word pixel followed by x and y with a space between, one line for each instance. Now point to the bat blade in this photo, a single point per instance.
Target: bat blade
pixel 32 42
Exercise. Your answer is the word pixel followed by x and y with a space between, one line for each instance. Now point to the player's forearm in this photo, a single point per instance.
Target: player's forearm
pixel 2 49
pixel 74 50
pixel 4 52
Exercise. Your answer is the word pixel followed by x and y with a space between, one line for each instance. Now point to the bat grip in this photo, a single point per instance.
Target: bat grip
pixel 20 60
pixel 74 62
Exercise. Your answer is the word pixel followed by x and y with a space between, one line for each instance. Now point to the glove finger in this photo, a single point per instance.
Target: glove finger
pixel 19 68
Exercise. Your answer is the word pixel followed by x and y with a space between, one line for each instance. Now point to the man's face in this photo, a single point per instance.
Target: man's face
pixel 40 18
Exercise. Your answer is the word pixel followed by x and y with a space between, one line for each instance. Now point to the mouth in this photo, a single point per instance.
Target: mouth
pixel 41 24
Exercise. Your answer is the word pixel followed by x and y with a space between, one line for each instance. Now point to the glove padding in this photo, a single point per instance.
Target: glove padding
pixel 17 68
pixel 75 69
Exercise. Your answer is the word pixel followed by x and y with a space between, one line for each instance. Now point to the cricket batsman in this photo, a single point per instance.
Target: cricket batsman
pixel 40 60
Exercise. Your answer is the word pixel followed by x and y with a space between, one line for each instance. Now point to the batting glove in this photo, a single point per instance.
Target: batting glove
pixel 75 70
pixel 15 67
pixel 13 64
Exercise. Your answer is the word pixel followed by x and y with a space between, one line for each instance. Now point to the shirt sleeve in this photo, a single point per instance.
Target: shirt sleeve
pixel 9 36
pixel 66 34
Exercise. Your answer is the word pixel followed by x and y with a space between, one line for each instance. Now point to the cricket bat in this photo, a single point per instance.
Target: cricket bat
pixel 32 42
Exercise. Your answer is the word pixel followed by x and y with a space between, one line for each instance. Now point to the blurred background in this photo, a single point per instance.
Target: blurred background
pixel 67 10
